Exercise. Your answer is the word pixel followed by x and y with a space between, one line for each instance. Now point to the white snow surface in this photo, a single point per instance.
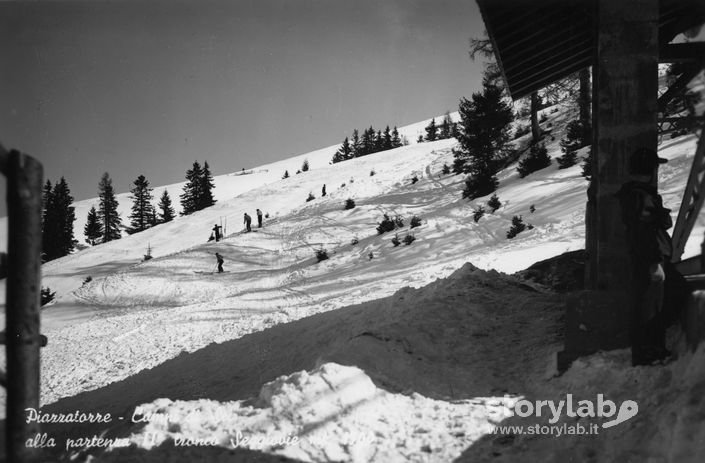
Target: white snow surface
pixel 408 352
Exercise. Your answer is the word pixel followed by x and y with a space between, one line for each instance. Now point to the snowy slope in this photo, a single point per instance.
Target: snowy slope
pixel 137 315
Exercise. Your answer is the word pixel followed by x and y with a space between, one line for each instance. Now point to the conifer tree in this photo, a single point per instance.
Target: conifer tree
pixel 142 209
pixel 192 189
pixel 356 144
pixel 110 219
pixel 396 139
pixel 483 138
pixel 66 216
pixel 205 194
pixel 93 230
pixel 57 221
pixel 344 152
pixel 305 166
pixel 286 174
pixel 367 142
pixel 446 130
pixel 379 142
pixel 166 211
pixel 387 140
pixel 537 159
pixel 431 130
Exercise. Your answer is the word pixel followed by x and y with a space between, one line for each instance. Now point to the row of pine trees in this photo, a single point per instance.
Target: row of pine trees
pixel 103 224
pixel 370 142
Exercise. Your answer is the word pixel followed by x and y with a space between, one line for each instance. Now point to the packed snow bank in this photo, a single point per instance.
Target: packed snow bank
pixel 333 413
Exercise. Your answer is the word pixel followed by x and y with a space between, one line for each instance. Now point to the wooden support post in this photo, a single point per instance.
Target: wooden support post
pixel 625 91
pixel 24 194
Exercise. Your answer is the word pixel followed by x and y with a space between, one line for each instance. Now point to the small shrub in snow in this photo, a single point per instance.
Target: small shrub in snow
pixel 446 169
pixel 371 255
pixel 87 280
pixel 478 213
pixel 395 241
pixel 286 174
pixel 372 173
pixel 321 254
pixel 386 225
pixel 342 185
pixel 409 238
pixel 414 179
pixel 494 203
pixel 46 296
pixel 415 222
pixel 352 180
pixel 537 159
pixel 529 227
pixel 543 118
pixel 420 139
pixel 517 227
pixel 266 216
pixel 532 209
pixel 354 241
pixel 310 197
pixel 305 166
pixel 398 221
pixel 349 204
pixel 298 172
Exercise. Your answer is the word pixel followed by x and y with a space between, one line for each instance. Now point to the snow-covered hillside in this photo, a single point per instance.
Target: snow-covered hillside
pixel 135 315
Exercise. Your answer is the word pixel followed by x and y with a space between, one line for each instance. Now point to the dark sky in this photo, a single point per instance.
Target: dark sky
pixel 147 87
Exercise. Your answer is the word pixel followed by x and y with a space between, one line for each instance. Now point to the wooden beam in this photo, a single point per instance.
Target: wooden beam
pixel 692 202
pixel 23 341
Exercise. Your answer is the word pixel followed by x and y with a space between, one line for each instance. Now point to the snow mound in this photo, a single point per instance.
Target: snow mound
pixel 332 413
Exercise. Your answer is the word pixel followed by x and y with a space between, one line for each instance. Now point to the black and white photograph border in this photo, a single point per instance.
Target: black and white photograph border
pixel 337 231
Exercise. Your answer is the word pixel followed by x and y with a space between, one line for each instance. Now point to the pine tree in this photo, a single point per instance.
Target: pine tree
pixel 110 219
pixel 431 131
pixel 379 142
pixel 304 166
pixel 142 209
pixel 367 142
pixel 537 159
pixel 166 211
pixel 483 138
pixel 356 144
pixel 93 229
pixel 446 128
pixel 387 141
pixel 57 221
pixel 192 190
pixel 396 139
pixel 572 142
pixel 494 203
pixel 205 198
pixel 286 174
pixel 65 216
pixel 344 152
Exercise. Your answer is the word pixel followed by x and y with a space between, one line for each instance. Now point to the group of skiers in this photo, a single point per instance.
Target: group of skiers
pixel 217 234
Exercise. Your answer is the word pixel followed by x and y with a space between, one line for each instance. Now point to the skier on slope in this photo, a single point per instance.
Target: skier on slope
pixel 220 262
pixel 216 231
pixel 259 218
pixel 248 221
